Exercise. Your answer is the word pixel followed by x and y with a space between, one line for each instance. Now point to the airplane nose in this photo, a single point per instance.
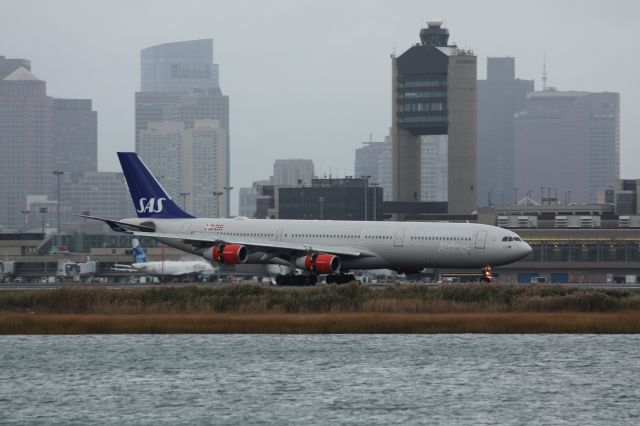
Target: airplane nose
pixel 527 249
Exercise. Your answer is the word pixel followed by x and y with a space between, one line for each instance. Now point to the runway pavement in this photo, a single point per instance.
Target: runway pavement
pixel 117 286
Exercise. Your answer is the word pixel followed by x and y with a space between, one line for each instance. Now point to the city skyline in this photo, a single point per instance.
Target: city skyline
pixel 182 124
pixel 328 85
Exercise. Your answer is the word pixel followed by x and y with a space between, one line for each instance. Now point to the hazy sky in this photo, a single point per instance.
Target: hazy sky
pixel 311 79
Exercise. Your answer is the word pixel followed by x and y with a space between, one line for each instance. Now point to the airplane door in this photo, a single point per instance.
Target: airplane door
pixel 186 229
pixel 481 239
pixel 398 240
pixel 279 233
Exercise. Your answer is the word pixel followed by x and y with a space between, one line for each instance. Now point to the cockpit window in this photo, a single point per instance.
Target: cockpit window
pixel 505 239
pixel 510 238
pixel 517 238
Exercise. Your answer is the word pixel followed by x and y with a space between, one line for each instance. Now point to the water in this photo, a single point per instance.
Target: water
pixel 318 379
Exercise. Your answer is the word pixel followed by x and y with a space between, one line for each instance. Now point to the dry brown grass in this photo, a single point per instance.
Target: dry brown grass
pixel 251 299
pixel 618 322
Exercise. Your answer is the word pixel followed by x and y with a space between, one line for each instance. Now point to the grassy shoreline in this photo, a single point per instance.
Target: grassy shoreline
pixel 326 309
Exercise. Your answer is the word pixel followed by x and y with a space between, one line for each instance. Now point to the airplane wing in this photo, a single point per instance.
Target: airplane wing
pixel 261 243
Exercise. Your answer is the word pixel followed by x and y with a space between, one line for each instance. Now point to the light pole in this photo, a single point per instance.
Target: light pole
pixel 375 199
pixel 43 212
pixel 58 174
pixel 228 189
pixel 321 199
pixel 184 199
pixel 217 194
pixel 366 188
pixel 25 213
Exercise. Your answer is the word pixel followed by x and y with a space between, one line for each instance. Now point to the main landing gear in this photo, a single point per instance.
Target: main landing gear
pixel 292 279
pixel 340 278
pixel 487 274
pixel 296 279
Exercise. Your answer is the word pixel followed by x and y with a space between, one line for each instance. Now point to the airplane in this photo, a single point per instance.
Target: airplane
pixel 167 267
pixel 308 248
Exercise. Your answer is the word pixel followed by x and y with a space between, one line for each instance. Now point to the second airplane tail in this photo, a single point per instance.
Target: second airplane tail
pixel 149 198
pixel 139 255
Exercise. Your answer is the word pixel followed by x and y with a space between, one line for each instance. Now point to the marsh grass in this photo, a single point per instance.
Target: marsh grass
pixel 254 299
pixel 323 309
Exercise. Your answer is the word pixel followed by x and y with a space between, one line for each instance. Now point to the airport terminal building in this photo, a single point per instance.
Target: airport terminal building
pixel 571 242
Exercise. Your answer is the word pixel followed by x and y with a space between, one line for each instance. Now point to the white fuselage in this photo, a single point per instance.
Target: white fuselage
pixel 392 245
pixel 174 267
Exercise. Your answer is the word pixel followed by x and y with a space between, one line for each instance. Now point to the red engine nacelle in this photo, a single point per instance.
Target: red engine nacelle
pixel 229 254
pixel 319 263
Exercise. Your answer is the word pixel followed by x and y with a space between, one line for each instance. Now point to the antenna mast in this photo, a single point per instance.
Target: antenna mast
pixel 544 71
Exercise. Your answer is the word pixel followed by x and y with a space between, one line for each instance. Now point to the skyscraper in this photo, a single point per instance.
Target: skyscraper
pixel 26 142
pixel 368 160
pixel 205 160
pixel 292 172
pixel 500 96
pixel 179 66
pixel 180 86
pixel 161 148
pixel 100 193
pixel 247 202
pixel 7 66
pixel 75 140
pixel 567 141
pixel 39 135
pixel 434 93
pixel 186 161
pixel 374 159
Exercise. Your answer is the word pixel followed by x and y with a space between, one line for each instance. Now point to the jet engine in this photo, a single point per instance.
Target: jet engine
pixel 229 254
pixel 319 263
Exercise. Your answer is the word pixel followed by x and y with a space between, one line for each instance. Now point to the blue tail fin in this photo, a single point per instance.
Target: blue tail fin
pixel 149 198
pixel 138 252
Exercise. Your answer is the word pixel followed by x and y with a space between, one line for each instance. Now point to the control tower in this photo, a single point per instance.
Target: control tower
pixel 434 93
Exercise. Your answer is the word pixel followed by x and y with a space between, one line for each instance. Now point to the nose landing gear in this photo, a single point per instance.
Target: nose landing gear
pixel 487 274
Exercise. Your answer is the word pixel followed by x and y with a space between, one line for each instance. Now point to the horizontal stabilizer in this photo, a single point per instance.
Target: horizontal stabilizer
pixel 117 225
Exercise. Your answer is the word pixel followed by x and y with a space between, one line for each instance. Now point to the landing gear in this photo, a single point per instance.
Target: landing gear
pixel 487 274
pixel 340 278
pixel 292 279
